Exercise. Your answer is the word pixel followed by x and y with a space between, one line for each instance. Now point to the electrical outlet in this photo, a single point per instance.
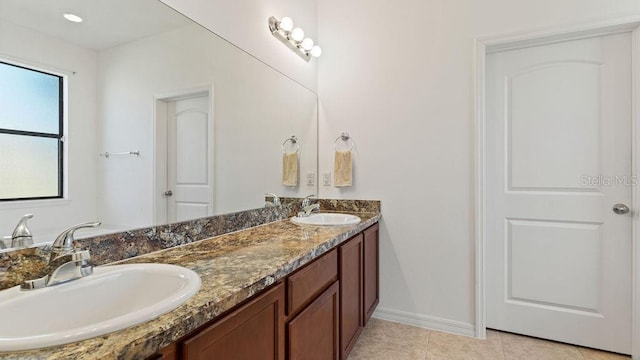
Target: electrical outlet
pixel 326 179
pixel 311 179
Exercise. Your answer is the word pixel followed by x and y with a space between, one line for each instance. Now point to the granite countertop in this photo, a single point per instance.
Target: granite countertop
pixel 233 267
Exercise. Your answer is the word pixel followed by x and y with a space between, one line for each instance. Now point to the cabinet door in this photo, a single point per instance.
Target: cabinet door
pixel 371 271
pixel 313 334
pixel 351 314
pixel 255 331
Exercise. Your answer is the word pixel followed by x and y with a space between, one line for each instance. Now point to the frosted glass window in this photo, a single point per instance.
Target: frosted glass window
pixel 29 100
pixel 31 104
pixel 29 167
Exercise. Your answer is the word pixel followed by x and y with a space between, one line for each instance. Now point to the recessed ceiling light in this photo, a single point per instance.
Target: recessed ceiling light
pixel 72 17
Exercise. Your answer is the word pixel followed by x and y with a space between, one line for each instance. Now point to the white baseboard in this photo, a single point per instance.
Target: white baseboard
pixel 424 321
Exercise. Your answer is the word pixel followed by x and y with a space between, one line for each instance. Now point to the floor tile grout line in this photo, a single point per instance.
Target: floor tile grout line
pixel 426 353
pixel 504 354
pixel 581 354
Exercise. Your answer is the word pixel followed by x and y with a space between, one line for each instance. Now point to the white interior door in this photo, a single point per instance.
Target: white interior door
pixel 558 157
pixel 189 159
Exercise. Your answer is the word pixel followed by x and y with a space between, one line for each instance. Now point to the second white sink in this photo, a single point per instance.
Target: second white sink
pixel 332 219
pixel 112 298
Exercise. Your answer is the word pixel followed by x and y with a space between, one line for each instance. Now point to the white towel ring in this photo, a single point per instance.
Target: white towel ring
pixel 344 138
pixel 294 141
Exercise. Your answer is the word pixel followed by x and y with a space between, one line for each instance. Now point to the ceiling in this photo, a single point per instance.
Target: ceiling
pixel 107 23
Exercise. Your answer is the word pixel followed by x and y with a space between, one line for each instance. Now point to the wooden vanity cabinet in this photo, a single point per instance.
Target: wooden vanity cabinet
pixel 371 283
pixel 253 331
pixel 359 285
pixel 317 312
pixel 351 287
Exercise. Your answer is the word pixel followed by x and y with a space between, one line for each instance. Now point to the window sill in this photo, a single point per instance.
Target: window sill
pixel 28 204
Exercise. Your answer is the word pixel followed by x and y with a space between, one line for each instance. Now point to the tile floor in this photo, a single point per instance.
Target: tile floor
pixel 385 340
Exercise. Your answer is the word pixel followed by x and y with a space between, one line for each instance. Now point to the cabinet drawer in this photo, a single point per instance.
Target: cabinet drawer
pixel 310 281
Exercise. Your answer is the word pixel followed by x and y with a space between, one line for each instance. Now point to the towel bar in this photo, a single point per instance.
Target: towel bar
pixel 294 141
pixel 107 154
pixel 344 137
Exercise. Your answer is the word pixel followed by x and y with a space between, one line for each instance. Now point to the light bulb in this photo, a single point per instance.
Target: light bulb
pixel 72 17
pixel 297 34
pixel 307 44
pixel 316 51
pixel 285 24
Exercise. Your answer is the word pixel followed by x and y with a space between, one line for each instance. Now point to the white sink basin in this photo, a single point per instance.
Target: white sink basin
pixel 112 298
pixel 331 219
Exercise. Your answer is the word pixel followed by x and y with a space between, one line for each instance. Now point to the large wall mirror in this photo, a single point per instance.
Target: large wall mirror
pixel 162 120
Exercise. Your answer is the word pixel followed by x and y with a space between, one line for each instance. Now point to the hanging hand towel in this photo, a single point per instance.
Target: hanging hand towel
pixel 342 169
pixel 290 169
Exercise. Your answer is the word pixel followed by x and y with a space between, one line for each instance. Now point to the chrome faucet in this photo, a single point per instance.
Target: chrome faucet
pixel 307 207
pixel 22 236
pixel 66 263
pixel 307 200
pixel 275 202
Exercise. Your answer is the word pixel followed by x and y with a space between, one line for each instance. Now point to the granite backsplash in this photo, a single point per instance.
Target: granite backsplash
pixel 18 265
pixel 335 205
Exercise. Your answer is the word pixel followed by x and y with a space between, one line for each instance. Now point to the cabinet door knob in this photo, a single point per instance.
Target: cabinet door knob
pixel 168 193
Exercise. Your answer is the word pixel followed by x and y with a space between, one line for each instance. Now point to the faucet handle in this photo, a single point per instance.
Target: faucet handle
pixel 64 241
pixel 22 236
pixel 276 199
pixel 306 200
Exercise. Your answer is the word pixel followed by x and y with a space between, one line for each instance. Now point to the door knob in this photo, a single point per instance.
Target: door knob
pixel 169 193
pixel 620 209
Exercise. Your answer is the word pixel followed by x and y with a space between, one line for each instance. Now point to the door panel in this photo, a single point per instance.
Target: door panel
pixel 536 103
pixel 558 153
pixel 189 160
pixel 186 211
pixel 191 149
pixel 561 283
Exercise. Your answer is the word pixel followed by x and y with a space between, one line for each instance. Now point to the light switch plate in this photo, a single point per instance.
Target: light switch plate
pixel 326 179
pixel 311 179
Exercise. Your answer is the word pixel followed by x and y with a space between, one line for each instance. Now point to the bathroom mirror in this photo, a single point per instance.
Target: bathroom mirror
pixel 164 121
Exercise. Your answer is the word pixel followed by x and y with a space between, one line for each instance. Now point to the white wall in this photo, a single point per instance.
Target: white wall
pixel 255 110
pixel 33 48
pixel 398 77
pixel 245 24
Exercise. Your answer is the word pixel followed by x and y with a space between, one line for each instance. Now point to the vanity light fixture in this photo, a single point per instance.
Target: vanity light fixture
pixel 293 37
pixel 72 17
